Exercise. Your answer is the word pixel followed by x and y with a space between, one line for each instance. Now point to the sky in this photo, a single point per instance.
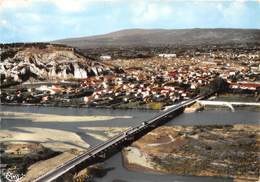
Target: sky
pixel 45 20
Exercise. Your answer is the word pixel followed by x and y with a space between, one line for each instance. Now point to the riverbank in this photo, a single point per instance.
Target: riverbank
pixel 226 151
pixel 67 131
pixel 129 106
pixel 49 139
pixel 17 157
pixel 152 106
pixel 100 130
pixel 234 97
pixel 57 139
pixel 30 160
pixel 35 117
pixel 194 108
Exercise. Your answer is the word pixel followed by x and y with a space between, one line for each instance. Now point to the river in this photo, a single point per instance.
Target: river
pixel 118 172
pixel 81 128
pixel 208 117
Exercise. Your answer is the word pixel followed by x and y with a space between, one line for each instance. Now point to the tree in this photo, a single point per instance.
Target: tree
pixel 218 85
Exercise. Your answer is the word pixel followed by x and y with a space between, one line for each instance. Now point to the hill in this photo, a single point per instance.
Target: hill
pixel 163 37
pixel 45 62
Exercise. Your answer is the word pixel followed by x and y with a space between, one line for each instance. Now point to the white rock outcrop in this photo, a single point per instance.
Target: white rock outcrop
pixel 47 63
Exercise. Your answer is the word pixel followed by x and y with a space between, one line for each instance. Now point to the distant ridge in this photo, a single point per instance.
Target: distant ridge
pixel 163 37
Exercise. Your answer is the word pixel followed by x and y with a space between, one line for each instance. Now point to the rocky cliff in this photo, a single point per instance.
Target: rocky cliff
pixel 46 62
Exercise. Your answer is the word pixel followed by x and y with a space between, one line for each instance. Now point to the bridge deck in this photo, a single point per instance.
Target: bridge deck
pixel 135 130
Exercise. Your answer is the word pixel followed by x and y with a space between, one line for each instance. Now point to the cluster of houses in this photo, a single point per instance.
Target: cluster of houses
pixel 165 79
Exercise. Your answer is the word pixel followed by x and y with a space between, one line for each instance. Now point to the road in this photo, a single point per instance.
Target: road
pixel 121 138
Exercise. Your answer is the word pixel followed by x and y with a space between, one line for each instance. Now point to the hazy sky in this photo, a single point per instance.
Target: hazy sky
pixel 43 20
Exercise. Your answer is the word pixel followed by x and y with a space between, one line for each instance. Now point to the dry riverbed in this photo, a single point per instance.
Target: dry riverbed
pixel 35 150
pixel 35 117
pixel 228 150
pixel 57 139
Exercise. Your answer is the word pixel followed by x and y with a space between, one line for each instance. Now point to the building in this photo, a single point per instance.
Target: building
pixel 167 55
pixel 105 57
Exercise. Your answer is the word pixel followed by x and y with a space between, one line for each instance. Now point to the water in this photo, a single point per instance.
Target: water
pixel 215 117
pixel 73 126
pixel 72 111
pixel 208 117
pixel 118 172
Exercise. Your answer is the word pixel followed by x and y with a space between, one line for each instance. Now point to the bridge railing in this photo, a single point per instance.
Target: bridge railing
pixel 98 148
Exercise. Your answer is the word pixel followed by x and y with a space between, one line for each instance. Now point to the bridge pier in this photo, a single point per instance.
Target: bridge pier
pixel 153 125
pixel 129 138
pixel 230 106
pixel 102 155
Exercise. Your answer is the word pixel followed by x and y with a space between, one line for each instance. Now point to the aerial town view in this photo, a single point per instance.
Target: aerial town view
pixel 129 91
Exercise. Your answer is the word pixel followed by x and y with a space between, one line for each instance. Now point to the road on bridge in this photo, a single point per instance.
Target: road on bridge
pixel 122 137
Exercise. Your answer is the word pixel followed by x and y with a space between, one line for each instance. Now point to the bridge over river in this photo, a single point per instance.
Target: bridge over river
pixel 110 147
